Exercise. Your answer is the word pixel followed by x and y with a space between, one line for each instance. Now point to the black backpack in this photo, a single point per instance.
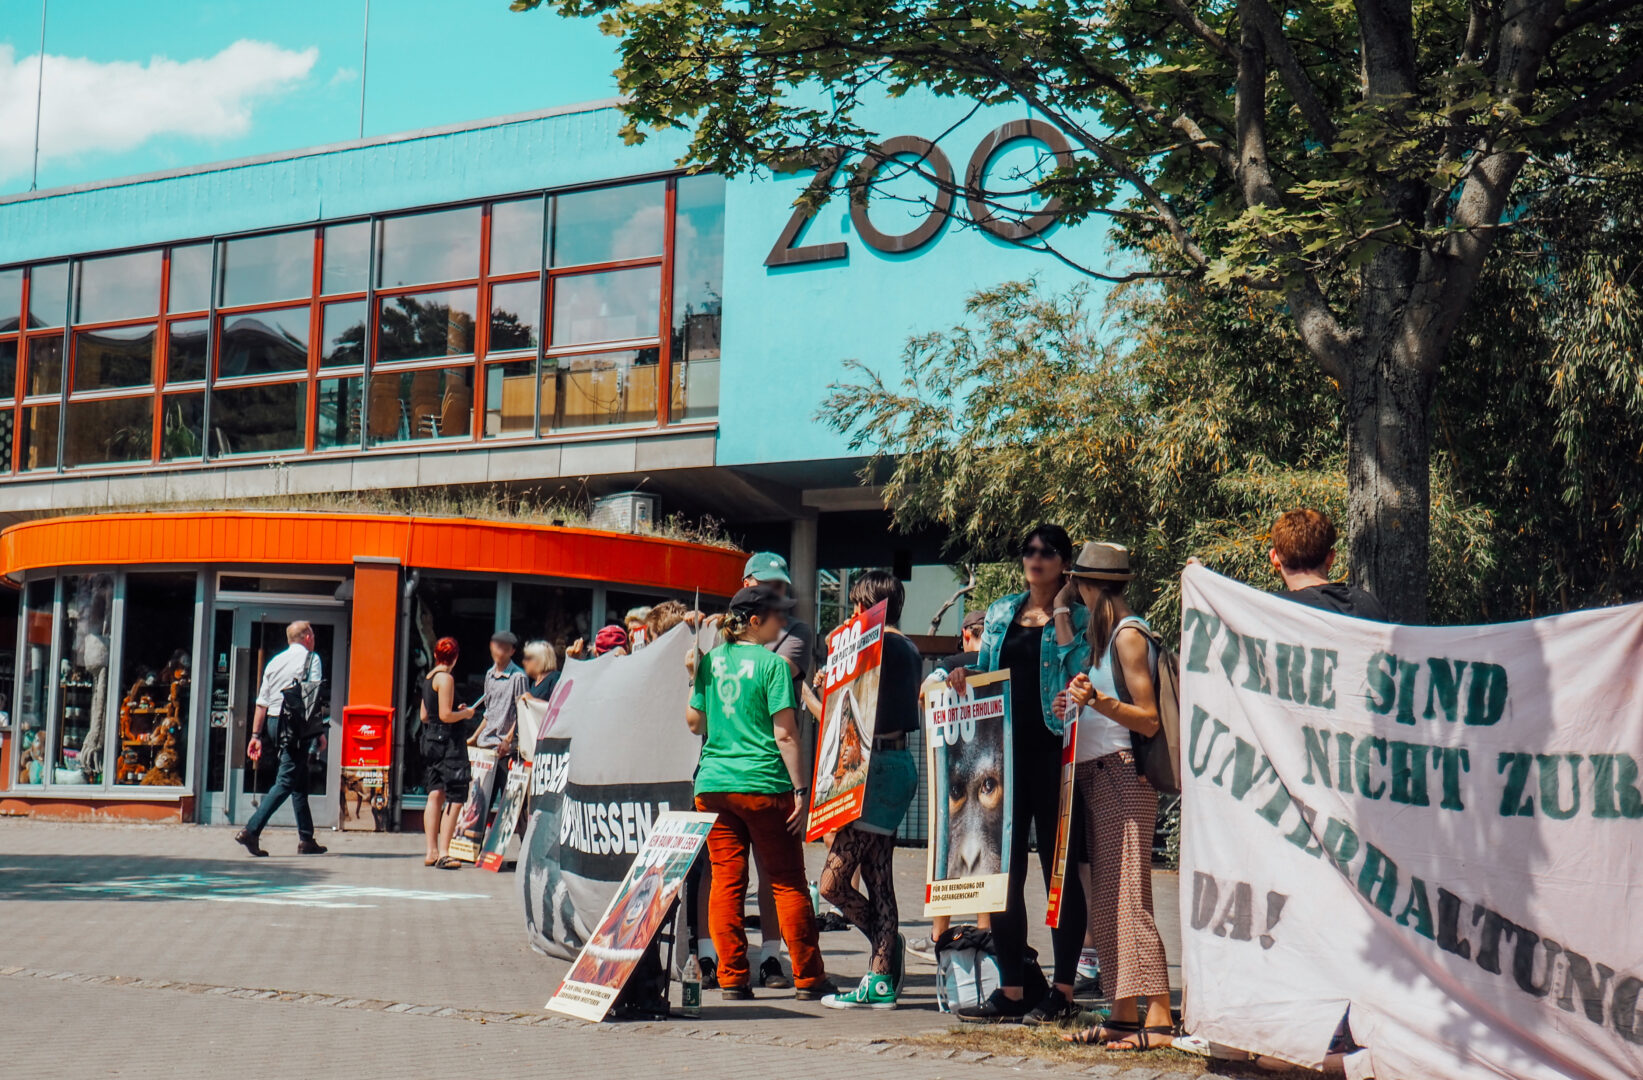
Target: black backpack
pixel 300 722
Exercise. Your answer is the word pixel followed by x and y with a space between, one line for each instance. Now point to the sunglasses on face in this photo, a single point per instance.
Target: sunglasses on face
pixel 1039 551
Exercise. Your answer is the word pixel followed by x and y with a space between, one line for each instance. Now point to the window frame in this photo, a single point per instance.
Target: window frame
pixel 479 361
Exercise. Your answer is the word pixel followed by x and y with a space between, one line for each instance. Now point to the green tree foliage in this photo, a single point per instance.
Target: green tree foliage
pixel 1350 164
pixel 1182 422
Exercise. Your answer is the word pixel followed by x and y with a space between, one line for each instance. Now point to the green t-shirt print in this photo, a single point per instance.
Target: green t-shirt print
pixel 740 688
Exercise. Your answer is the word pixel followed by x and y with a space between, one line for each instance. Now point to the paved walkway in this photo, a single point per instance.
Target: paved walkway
pixel 138 951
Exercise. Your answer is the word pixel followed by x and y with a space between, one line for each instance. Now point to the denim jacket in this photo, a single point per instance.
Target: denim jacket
pixel 1059 663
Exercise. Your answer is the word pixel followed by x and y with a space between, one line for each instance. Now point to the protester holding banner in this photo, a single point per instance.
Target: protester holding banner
pixel 868 844
pixel 1039 636
pixel 541 669
pixel 749 775
pixel 446 776
pixel 1118 696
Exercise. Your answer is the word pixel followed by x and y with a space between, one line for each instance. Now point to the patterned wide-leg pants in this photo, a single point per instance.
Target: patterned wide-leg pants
pixel 1122 810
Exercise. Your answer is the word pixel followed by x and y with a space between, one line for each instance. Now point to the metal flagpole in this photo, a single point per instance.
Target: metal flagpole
pixel 39 87
pixel 364 60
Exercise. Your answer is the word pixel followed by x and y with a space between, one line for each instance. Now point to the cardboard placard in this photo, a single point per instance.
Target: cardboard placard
pixel 635 913
pixel 850 707
pixel 495 847
pixel 971 770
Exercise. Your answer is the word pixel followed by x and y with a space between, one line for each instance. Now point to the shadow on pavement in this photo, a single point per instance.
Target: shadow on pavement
pixel 54 878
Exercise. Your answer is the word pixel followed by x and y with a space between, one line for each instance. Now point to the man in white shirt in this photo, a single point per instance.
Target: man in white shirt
pixel 297 664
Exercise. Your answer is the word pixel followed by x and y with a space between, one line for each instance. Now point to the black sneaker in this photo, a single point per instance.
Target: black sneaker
pixel 1055 1009
pixel 771 976
pixel 735 993
pixel 997 1009
pixel 710 973
pixel 825 988
pixel 1087 986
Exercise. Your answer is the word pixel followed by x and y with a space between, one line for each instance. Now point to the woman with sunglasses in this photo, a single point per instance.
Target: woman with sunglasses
pixel 1038 636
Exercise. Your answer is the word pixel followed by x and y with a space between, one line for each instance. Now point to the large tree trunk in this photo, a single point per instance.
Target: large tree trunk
pixel 1388 475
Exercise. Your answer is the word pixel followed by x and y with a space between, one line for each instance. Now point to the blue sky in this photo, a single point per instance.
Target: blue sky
pixel 129 91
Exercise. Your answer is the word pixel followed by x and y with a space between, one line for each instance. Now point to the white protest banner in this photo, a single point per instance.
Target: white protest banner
pixel 612 755
pixel 1439 828
pixel 971 770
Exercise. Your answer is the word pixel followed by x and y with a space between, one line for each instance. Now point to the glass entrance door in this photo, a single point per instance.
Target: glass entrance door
pixel 255 636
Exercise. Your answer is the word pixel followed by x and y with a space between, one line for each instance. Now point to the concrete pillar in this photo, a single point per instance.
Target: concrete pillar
pixel 801 563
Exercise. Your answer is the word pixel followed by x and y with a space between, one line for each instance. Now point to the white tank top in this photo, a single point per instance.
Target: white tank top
pixel 1097 735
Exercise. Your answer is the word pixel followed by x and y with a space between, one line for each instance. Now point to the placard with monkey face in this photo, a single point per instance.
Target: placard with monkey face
pixel 971 770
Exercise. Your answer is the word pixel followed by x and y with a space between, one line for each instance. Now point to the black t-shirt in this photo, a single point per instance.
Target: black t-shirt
pixel 967 660
pixel 542 689
pixel 900 674
pixel 1341 597
pixel 1022 655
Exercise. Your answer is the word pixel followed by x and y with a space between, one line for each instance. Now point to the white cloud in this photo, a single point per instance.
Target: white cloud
pixel 94 107
pixel 343 75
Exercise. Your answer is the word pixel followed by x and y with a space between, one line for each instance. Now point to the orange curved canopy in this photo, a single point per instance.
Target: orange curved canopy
pixel 280 539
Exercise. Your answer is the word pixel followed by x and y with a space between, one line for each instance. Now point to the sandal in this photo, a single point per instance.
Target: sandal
pixel 1097 1034
pixel 431 862
pixel 1144 1035
pixel 446 862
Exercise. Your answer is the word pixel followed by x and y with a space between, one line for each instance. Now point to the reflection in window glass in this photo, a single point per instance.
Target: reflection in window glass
pixel 698 267
pixel 259 419
pixel 190 288
pixel 264 343
pixel 48 294
pixel 620 305
pixel 515 314
pixel 557 614
pixel 108 432
pixel 116 287
pixel 695 391
pixel 157 669
pixel 33 686
pixel 83 688
pixel 435 403
pixel 37 437
pixel 185 361
pixel 347 257
pixel 7 429
pixel 182 426
pixel 426 326
pixel 510 398
pixel 599 389
pixel 45 366
pixel 262 269
pixel 11 298
pixel 516 236
pixel 420 249
pixel 107 359
pixel 607 224
pixel 336 424
pixel 344 328
pixel 8 380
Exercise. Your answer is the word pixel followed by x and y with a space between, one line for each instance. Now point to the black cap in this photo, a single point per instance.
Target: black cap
pixel 505 637
pixel 974 618
pixel 757 598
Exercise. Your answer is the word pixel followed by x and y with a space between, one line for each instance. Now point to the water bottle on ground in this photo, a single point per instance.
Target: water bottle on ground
pixel 690 997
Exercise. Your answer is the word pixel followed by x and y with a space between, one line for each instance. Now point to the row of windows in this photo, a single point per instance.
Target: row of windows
pixel 506 319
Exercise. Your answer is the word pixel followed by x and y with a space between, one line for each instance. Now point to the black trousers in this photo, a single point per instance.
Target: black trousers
pixel 1038 805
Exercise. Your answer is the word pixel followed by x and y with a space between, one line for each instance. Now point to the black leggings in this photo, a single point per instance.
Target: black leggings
pixel 1038 803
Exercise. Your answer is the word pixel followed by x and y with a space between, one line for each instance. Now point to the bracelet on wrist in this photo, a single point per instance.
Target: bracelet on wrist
pixel 1061 611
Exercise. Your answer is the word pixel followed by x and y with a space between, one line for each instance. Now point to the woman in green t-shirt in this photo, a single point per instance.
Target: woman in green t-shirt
pixel 749 775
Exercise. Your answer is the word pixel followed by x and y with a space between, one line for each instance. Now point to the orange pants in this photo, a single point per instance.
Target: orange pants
pixel 758 822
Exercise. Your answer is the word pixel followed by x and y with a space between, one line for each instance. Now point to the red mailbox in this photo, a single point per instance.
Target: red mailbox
pixel 367 752
pixel 367 736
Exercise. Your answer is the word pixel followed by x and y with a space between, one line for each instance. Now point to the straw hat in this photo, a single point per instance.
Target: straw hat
pixel 1102 562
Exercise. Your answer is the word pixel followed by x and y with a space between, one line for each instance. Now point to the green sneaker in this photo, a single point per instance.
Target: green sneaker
pixel 875 992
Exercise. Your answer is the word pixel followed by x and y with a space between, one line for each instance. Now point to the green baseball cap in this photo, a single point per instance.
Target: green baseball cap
pixel 767 566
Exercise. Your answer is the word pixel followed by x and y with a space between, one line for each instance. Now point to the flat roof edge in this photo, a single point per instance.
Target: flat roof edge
pixel 316 151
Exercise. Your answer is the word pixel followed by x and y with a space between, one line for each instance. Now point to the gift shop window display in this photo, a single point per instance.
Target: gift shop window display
pixel 156 680
pixel 79 754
